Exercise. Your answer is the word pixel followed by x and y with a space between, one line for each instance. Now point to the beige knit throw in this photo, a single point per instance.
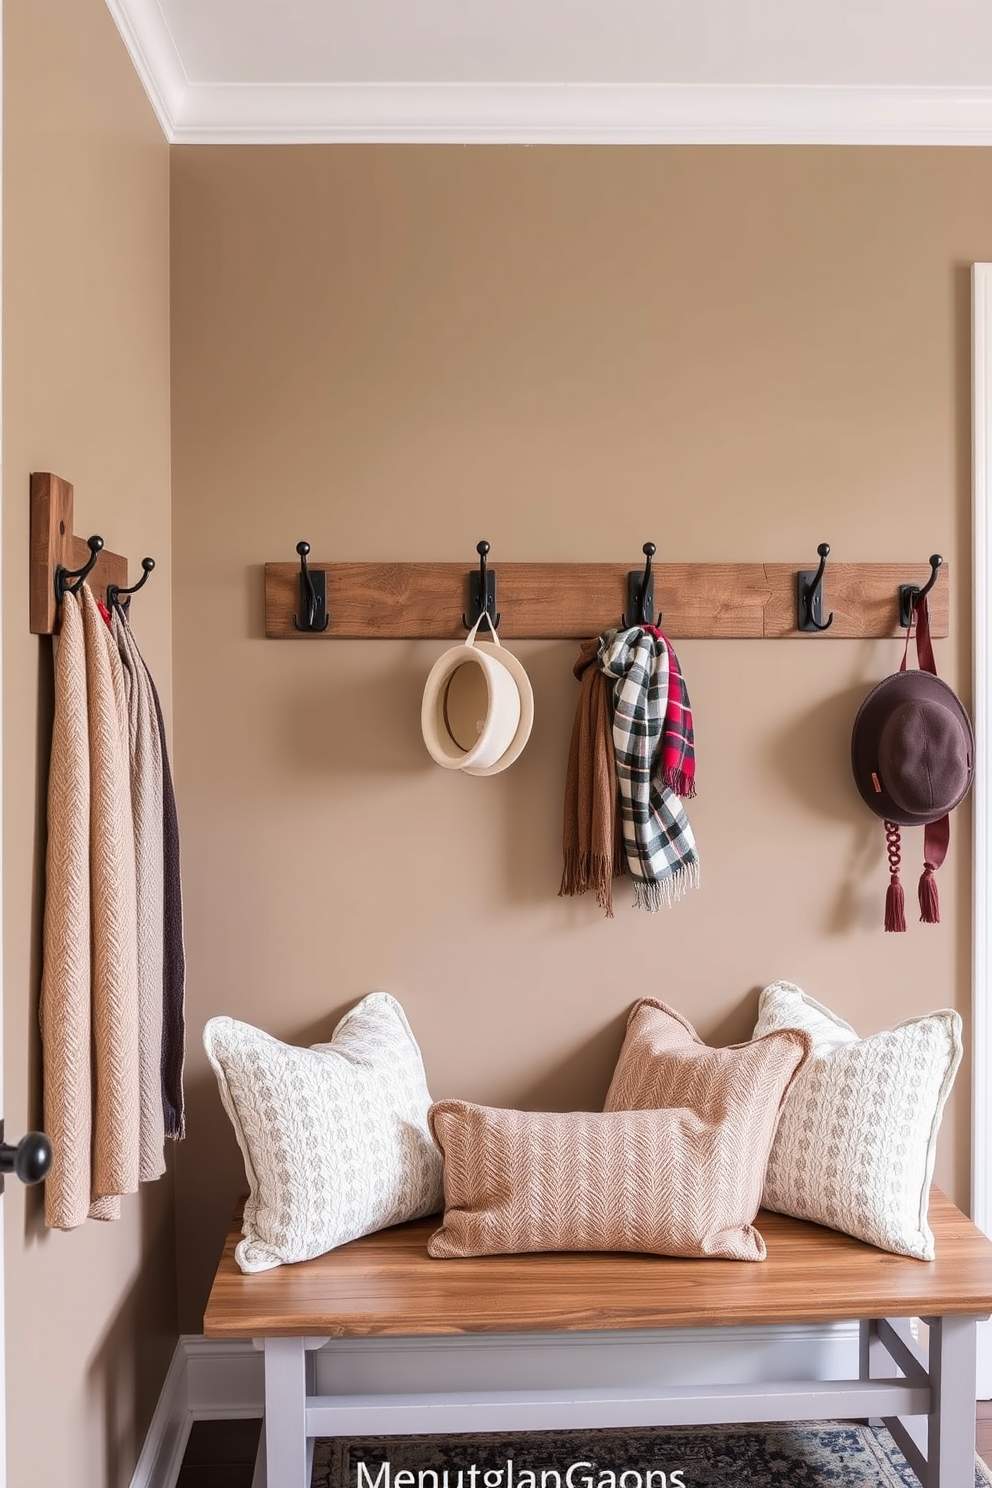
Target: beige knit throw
pixel 116 1103
pixel 65 978
pixel 145 755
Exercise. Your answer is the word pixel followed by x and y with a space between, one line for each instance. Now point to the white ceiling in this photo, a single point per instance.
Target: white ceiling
pixel 478 71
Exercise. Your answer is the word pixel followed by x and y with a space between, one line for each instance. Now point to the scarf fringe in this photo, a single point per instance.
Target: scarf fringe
pixel 680 783
pixel 653 895
pixel 583 871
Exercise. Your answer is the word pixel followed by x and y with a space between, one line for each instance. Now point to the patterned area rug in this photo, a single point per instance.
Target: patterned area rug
pixel 805 1454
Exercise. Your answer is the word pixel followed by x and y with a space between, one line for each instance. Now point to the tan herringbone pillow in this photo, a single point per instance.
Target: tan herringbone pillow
pixel 586 1180
pixel 741 1087
pixel 682 1180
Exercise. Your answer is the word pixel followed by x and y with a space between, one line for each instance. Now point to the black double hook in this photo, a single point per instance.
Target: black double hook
pixel 313 595
pixel 114 591
pixel 809 595
pixel 482 593
pixel 640 593
pixel 911 594
pixel 64 575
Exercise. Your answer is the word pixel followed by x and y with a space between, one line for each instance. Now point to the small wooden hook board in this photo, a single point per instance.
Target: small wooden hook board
pixel 721 601
pixel 55 545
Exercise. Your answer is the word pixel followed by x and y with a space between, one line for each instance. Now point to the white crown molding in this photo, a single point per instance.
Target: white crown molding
pixel 156 59
pixel 558 113
pixel 581 114
pixel 561 113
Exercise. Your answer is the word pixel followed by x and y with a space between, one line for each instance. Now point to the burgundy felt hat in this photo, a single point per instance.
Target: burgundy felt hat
pixel 912 749
pixel 913 755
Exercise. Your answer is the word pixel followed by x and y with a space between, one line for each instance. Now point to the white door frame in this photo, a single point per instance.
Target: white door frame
pixel 3 1325
pixel 981 1014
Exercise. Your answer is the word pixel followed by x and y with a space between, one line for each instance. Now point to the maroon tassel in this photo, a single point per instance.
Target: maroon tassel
pixel 895 899
pixel 929 902
pixel 895 905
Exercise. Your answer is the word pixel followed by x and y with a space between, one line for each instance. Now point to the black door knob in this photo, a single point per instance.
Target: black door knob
pixel 30 1159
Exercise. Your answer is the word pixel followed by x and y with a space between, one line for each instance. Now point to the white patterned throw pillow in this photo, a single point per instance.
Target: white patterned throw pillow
pixel 857 1138
pixel 334 1138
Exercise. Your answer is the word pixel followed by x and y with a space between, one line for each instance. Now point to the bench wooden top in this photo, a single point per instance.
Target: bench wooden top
pixel 386 1284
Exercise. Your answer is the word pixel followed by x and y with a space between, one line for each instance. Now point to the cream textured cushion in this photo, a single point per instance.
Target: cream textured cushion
pixel 334 1137
pixel 684 1180
pixel 856 1143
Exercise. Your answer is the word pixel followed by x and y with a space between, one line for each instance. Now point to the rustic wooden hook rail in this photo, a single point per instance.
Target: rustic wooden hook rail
pixel 541 601
pixel 54 545
pixel 724 601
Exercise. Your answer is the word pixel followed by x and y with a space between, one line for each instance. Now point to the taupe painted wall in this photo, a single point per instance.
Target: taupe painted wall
pixel 393 352
pixel 90 1314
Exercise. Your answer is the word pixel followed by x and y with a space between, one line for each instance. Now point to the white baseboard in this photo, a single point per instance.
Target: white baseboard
pixel 208 1379
pixel 214 1379
pixel 162 1454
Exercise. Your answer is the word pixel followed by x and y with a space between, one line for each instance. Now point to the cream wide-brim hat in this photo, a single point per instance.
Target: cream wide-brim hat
pixel 478 708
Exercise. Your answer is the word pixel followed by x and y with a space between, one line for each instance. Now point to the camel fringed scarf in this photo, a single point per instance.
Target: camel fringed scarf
pixel 655 763
pixel 592 842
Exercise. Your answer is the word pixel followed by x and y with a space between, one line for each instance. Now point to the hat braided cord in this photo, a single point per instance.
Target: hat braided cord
pixel 895 899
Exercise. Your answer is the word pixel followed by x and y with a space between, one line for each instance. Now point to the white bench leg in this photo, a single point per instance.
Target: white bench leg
pixel 940 1447
pixel 873 1359
pixel 951 1433
pixel 285 1428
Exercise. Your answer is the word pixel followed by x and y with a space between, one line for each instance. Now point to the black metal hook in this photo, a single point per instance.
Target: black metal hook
pixel 63 575
pixel 809 595
pixel 911 594
pixel 640 593
pixel 482 593
pixel 114 591
pixel 313 595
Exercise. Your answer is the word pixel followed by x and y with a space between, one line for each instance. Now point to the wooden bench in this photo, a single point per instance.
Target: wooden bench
pixel 386 1285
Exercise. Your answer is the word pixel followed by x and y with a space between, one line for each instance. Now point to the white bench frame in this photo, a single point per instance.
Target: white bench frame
pixel 935 1393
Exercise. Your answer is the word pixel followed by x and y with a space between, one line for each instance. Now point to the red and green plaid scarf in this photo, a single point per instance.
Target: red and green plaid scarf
pixel 655 760
pixel 678 757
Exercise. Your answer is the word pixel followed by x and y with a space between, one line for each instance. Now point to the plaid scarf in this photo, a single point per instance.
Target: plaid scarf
pixel 656 764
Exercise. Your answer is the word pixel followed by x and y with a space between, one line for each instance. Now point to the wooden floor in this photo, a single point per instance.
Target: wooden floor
pixel 221 1454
